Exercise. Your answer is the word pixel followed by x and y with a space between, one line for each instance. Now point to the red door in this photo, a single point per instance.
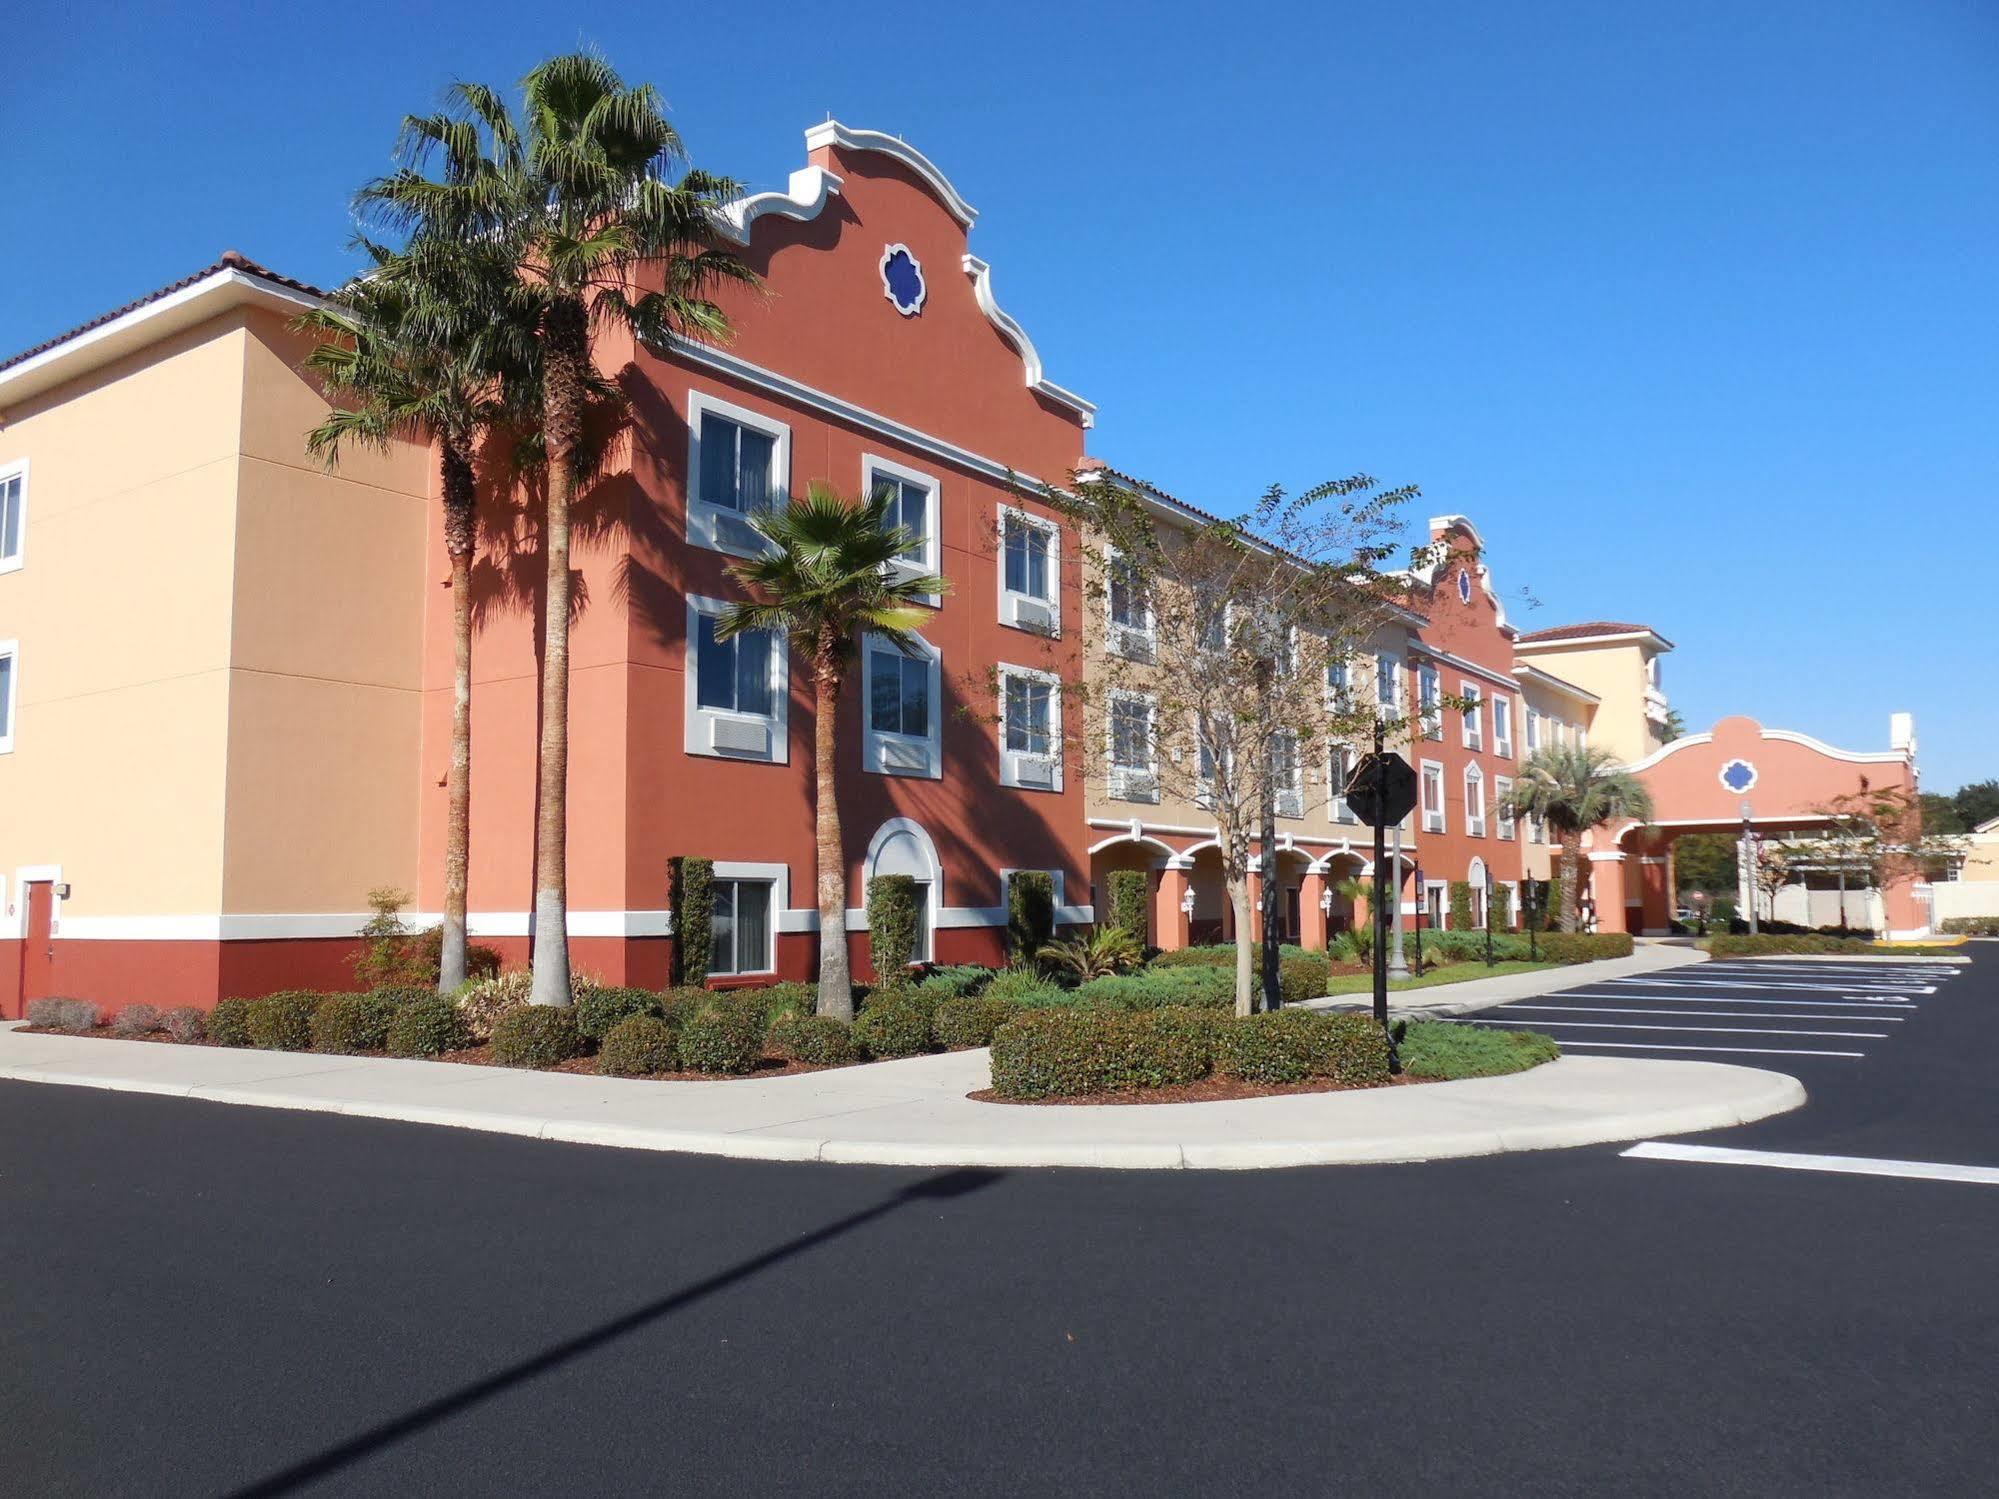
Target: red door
pixel 38 947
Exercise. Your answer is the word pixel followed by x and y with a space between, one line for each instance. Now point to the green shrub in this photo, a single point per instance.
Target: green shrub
pixel 1025 986
pixel 891 926
pixel 726 1034
pixel 1499 910
pixel 957 981
pixel 1447 1049
pixel 1971 926
pixel 896 1023
pixel 347 1023
pixel 1461 906
pixel 600 1011
pixel 1072 1053
pixel 229 1022
pixel 481 1002
pixel 691 898
pixel 638 1046
pixel 283 1021
pixel 971 1020
pixel 1300 979
pixel 679 1005
pixel 1212 988
pixel 1130 901
pixel 427 1026
pixel 1469 947
pixel 1585 947
pixel 788 998
pixel 536 1036
pixel 1219 955
pixel 1030 913
pixel 820 1040
pixel 1295 1046
pixel 1788 945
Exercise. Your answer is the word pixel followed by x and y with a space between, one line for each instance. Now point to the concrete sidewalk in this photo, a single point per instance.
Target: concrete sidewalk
pixel 1444 1000
pixel 916 1113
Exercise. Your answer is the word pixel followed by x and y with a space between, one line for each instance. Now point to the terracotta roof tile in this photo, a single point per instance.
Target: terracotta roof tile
pixel 1585 631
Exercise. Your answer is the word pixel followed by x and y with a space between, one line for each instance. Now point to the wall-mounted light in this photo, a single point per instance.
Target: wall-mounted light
pixel 62 892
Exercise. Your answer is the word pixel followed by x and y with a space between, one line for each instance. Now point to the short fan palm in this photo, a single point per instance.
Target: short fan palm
pixel 1573 790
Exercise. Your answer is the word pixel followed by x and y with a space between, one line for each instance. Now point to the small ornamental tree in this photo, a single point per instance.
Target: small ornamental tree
pixel 891 925
pixel 1030 913
pixel 1499 910
pixel 1871 836
pixel 692 899
pixel 1461 907
pixel 1130 896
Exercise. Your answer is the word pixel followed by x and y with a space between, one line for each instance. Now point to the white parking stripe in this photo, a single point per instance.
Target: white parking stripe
pixel 1704 1030
pixel 1693 1014
pixel 1848 1165
pixel 1747 1051
pixel 1703 999
pixel 1708 983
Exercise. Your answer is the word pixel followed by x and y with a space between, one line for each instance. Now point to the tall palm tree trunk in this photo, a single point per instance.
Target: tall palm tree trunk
pixel 1571 876
pixel 459 534
pixel 567 347
pixel 836 988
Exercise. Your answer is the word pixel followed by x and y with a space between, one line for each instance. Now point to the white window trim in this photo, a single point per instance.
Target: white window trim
pixel 1473 725
pixel 1397 701
pixel 1008 597
pixel 1336 804
pixel 700 516
pixel 697 737
pixel 1442 916
pixel 1010 759
pixel 1502 725
pixel 1474 822
pixel 1512 889
pixel 1435 820
pixel 1505 825
pixel 1339 699
pixel 1297 785
pixel 1430 716
pixel 933 512
pixel 778 877
pixel 873 739
pixel 1114 773
pixel 1114 632
pixel 11 650
pixel 17 470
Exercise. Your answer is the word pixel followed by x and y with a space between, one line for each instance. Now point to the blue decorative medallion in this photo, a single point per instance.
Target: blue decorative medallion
pixel 902 280
pixel 1464 585
pixel 1738 776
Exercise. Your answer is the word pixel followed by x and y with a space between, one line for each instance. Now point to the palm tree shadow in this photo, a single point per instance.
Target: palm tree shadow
pixel 378 1438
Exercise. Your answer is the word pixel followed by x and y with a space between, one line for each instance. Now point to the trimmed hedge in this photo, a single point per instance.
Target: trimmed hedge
pixel 1783 945
pixel 185 1024
pixel 1583 947
pixel 1072 1053
pixel 1130 900
pixel 1156 988
pixel 1300 979
pixel 1971 926
pixel 891 926
pixel 1296 1046
pixel 789 997
pixel 347 1023
pixel 602 1010
pixel 283 1021
pixel 229 1022
pixel 820 1040
pixel 691 898
pixel 136 1020
pixel 895 1023
pixel 427 1027
pixel 726 1034
pixel 957 981
pixel 61 1014
pixel 1030 913
pixel 1446 1049
pixel 536 1036
pixel 1219 955
pixel 638 1046
pixel 1461 912
pixel 971 1021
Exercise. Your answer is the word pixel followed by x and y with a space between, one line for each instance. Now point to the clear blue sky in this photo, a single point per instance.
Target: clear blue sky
pixel 1691 307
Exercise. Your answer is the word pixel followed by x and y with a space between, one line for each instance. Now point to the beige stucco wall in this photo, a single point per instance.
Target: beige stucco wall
pixel 216 640
pixel 1615 673
pixel 1537 859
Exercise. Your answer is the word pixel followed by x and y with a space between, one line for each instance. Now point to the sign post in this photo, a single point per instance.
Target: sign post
pixel 1381 792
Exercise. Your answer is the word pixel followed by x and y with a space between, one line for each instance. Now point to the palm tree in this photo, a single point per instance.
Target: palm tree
pixel 1573 789
pixel 828 575
pixel 577 195
pixel 421 349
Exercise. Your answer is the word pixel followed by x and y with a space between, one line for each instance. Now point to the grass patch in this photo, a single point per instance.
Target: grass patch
pixel 1455 973
pixel 1444 1049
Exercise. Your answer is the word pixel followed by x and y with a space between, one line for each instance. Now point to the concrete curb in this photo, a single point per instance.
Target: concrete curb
pixel 1760 1095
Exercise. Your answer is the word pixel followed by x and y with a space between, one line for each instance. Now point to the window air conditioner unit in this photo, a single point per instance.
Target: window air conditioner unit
pixel 1290 804
pixel 1132 644
pixel 731 530
pixel 1031 614
pixel 1136 786
pixel 736 736
pixel 1037 771
pixel 905 757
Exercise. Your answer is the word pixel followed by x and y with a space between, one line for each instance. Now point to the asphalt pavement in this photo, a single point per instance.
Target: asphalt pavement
pixel 203 1299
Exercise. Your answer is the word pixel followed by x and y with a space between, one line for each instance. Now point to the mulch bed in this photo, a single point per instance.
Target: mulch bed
pixel 1207 1090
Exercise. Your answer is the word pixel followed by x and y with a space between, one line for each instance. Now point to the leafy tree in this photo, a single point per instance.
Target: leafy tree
pixel 1706 862
pixel 826 578
pixel 1976 803
pixel 427 347
pixel 1574 790
pixel 577 197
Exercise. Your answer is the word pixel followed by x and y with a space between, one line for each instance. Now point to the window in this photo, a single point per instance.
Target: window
pixel 1030 729
pixel 740 462
pixel 738 690
pixel 1388 686
pixel 1214 621
pixel 1204 791
pixel 1474 715
pixel 1502 792
pixel 1287 774
pixel 1502 726
pixel 13 515
pixel 1435 894
pixel 10 669
pixel 1132 775
pixel 1533 730
pixel 1582 737
pixel 1433 797
pixel 1474 801
pixel 1341 771
pixel 912 505
pixel 902 737
pixel 1130 610
pixel 1429 695
pixel 741 927
pixel 1339 686
pixel 1030 572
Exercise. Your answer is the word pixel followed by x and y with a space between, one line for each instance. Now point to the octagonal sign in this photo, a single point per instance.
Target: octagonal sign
pixel 1738 776
pixel 902 279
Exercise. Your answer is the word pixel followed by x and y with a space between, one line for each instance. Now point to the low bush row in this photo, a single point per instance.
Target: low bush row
pixel 1452 1049
pixel 1812 945
pixel 1971 926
